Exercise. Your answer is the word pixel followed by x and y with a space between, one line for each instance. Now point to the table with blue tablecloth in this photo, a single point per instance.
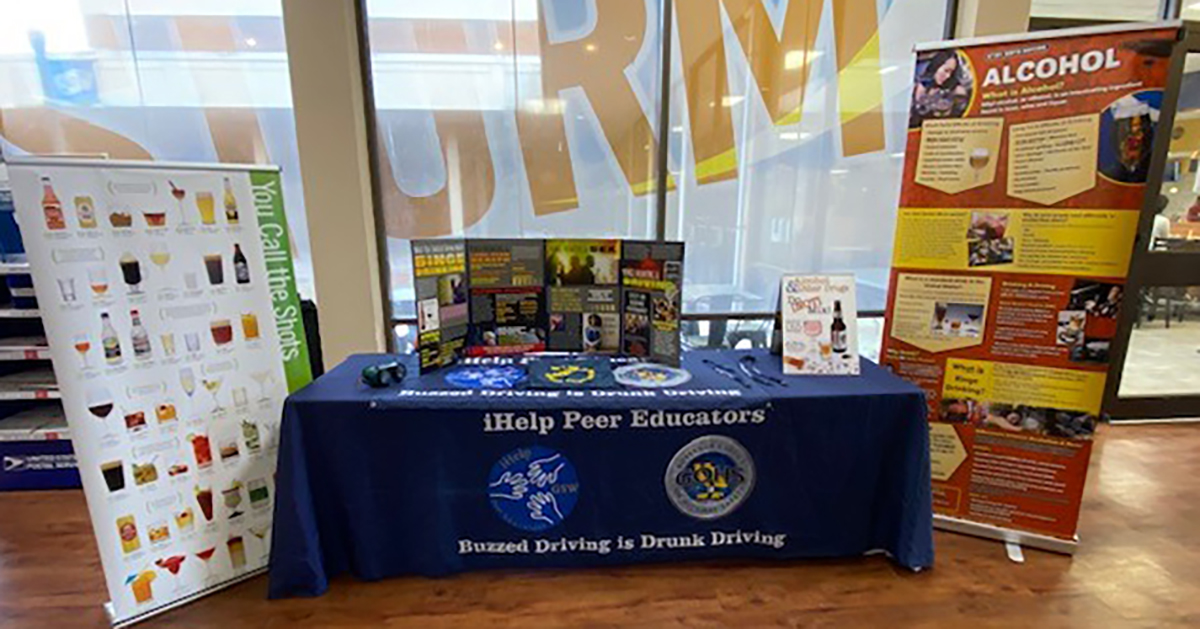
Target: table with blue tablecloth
pixel 429 479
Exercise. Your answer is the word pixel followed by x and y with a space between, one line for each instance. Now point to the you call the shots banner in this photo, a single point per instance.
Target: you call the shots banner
pixel 1024 177
pixel 170 306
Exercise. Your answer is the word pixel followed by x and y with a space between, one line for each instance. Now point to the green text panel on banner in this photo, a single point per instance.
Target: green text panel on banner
pixel 170 307
pixel 1024 178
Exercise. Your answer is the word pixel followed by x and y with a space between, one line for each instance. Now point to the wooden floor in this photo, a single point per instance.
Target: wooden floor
pixel 1139 566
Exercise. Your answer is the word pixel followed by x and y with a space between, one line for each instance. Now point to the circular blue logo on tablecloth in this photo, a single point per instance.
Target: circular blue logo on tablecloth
pixel 533 488
pixel 709 477
pixel 486 376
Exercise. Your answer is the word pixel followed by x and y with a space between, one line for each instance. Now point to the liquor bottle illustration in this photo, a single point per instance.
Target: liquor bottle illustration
pixel 141 338
pixel 52 207
pixel 241 269
pixel 110 340
pixel 837 331
pixel 231 208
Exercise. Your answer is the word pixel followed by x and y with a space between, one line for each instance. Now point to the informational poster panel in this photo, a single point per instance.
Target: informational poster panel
pixel 1025 172
pixel 440 278
pixel 600 296
pixel 652 276
pixel 169 303
pixel 584 295
pixel 820 325
pixel 507 296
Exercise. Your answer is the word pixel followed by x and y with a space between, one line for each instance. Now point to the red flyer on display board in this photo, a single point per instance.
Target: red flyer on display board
pixel 1025 174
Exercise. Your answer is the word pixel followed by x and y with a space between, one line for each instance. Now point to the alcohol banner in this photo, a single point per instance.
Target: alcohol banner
pixel 1024 177
pixel 170 307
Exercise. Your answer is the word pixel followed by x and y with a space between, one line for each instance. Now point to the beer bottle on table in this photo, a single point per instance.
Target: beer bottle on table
pixel 837 331
pixel 241 270
pixel 110 340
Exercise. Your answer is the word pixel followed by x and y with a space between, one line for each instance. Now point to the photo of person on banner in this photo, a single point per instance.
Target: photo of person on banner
pixel 942 89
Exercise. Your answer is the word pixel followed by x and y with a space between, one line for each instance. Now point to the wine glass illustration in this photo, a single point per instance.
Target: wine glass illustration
pixel 262 378
pixel 206 555
pixel 172 564
pixel 98 280
pixel 187 380
pixel 260 532
pixel 82 345
pixel 179 193
pixel 100 402
pixel 214 387
pixel 160 255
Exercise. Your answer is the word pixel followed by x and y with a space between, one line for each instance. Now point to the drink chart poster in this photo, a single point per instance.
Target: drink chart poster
pixel 170 307
pixel 1025 174
pixel 820 328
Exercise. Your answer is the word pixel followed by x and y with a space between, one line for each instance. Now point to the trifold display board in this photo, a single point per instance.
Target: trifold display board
pixel 1024 176
pixel 497 297
pixel 170 306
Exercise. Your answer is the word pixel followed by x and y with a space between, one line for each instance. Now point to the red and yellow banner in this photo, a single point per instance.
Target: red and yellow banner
pixel 1024 177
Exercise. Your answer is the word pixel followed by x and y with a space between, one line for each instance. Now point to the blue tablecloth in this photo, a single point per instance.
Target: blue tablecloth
pixel 407 480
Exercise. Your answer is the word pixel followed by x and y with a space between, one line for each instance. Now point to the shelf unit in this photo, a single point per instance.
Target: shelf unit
pixel 35 446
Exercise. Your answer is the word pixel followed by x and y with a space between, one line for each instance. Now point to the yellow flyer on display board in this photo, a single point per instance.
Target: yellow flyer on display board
pixel 820 330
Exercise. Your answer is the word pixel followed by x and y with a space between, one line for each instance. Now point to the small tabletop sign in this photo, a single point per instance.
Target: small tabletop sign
pixel 820 331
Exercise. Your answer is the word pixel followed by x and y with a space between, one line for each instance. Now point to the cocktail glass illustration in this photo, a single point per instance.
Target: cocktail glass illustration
pixel 100 402
pixel 179 194
pixel 168 343
pixel 204 498
pixel 237 551
pixel 191 280
pixel 214 387
pixel 140 585
pixel 98 280
pixel 232 496
pixel 202 449
pixel 172 564
pixel 206 555
pixel 82 345
pixel 260 532
pixel 131 271
pixel 66 288
pixel 262 378
pixel 204 203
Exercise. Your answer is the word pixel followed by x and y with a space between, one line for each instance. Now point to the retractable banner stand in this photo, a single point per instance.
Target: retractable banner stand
pixel 1025 173
pixel 170 307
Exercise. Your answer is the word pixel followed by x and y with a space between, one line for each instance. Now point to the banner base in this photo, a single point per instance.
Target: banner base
pixel 990 531
pixel 110 611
